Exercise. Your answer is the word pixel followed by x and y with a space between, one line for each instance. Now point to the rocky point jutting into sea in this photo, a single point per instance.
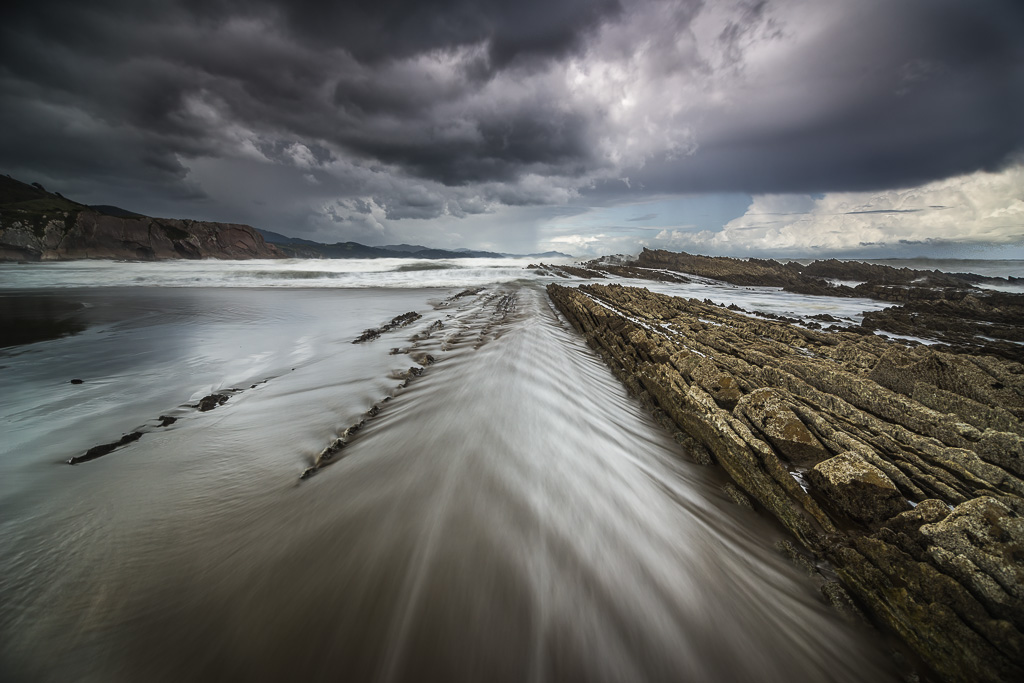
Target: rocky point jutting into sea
pixel 897 466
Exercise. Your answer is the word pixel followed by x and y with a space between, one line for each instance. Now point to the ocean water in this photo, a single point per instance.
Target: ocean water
pixel 509 513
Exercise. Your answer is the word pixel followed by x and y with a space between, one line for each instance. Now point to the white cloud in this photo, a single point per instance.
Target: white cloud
pixel 977 209
pixel 300 155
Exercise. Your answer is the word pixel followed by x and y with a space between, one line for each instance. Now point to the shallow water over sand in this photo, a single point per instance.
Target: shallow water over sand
pixel 510 515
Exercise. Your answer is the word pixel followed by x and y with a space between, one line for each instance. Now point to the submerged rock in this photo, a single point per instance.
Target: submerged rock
pixel 208 403
pixel 395 323
pixel 104 449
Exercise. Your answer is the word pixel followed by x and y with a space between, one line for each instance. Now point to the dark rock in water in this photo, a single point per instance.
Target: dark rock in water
pixel 394 323
pixel 737 496
pixel 104 449
pixel 858 488
pixel 800 559
pixel 992 322
pixel 434 327
pixel 837 596
pixel 166 420
pixel 77 381
pixel 881 424
pixel 207 403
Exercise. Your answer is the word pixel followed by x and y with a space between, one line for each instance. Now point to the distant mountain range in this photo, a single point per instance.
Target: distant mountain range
pixel 297 247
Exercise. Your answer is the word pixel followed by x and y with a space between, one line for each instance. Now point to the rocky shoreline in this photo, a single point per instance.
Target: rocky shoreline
pixel 898 468
pixel 949 308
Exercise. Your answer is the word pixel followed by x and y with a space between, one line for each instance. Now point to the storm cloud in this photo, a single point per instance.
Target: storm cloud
pixel 342 118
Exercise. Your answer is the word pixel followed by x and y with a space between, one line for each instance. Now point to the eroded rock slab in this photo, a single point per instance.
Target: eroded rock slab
pixel 858 488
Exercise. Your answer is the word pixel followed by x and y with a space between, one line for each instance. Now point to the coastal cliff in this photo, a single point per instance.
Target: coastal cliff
pixel 900 470
pixel 36 225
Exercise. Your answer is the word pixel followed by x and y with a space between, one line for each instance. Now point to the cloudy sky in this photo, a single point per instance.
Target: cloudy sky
pixel 788 127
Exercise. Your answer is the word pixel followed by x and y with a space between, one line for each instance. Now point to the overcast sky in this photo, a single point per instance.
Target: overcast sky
pixel 791 127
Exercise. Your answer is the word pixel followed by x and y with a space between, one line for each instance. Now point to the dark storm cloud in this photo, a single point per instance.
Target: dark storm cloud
pixel 449 107
pixel 376 30
pixel 323 71
pixel 544 140
pixel 890 98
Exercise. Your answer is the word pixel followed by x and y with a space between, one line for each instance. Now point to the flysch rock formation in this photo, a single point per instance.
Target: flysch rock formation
pixel 900 469
pixel 36 225
pixel 945 307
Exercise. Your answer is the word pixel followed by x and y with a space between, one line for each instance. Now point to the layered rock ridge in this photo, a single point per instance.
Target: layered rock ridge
pixel 899 468
pixel 946 307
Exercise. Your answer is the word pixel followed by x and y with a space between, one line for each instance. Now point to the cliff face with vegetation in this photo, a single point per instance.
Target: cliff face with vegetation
pixel 36 225
pixel 900 470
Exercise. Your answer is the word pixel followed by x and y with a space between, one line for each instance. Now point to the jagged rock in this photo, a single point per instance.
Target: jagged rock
pixel 926 512
pixel 768 412
pixel 798 558
pixel 722 386
pixel 981 544
pixel 104 449
pixel 207 403
pixel 842 602
pixel 933 612
pixel 902 371
pixel 940 436
pixel 737 496
pixel 859 489
pixel 393 324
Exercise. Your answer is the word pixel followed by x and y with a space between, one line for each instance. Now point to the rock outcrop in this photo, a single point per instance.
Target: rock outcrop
pixel 945 307
pixel 857 488
pixel 875 280
pixel 903 468
pixel 36 225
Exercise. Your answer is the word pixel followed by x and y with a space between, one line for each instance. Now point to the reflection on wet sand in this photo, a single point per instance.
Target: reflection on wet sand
pixel 510 514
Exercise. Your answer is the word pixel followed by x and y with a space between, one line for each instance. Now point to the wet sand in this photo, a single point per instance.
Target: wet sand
pixel 509 514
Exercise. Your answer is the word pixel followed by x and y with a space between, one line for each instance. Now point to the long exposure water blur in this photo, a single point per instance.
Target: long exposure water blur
pixel 510 514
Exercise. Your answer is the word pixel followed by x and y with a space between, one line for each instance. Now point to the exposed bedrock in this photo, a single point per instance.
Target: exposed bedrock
pixel 878 281
pixel 902 467
pixel 946 307
pixel 857 488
